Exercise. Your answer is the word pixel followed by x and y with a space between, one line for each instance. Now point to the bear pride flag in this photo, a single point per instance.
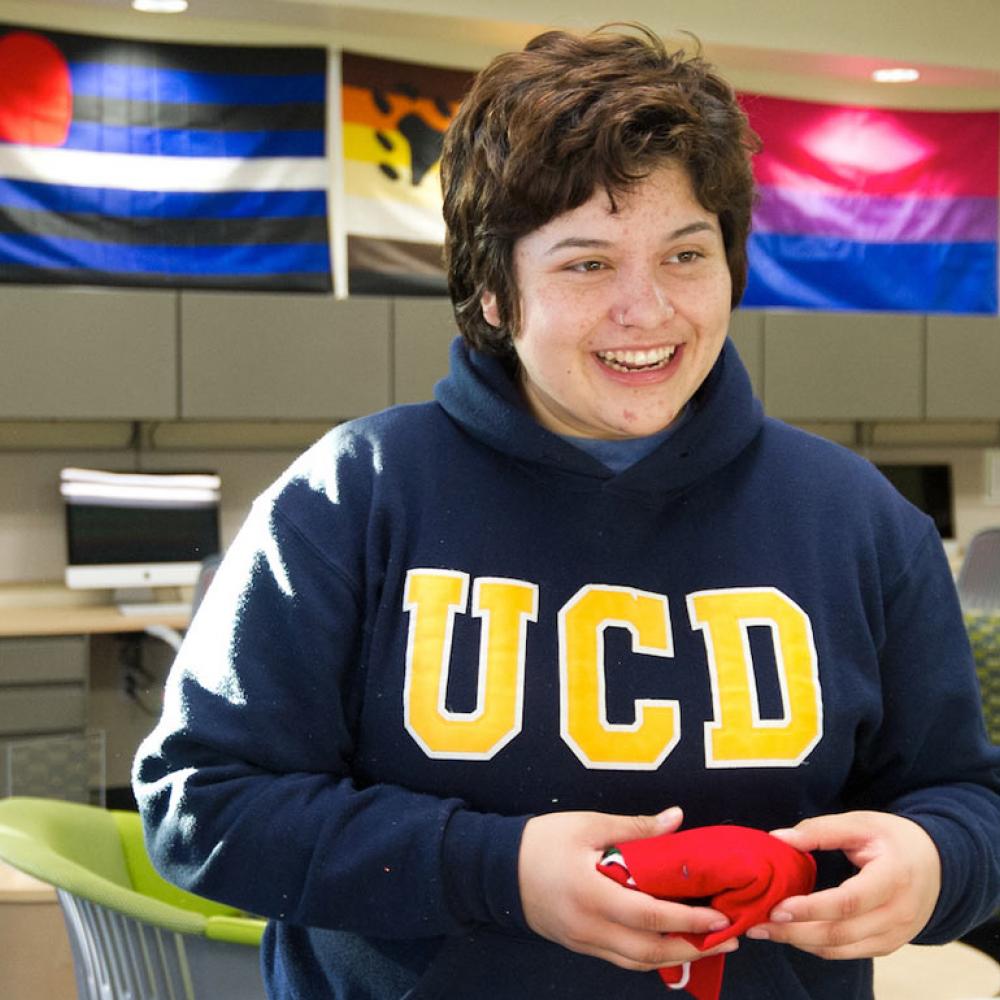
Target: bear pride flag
pixel 865 208
pixel 162 165
pixel 394 118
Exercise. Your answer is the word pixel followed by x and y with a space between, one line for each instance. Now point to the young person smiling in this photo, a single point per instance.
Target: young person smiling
pixel 588 594
pixel 624 309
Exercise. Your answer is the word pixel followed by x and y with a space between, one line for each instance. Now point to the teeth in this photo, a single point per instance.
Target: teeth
pixel 627 360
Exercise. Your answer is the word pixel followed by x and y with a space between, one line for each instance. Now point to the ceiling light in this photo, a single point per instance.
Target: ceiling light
pixel 897 74
pixel 160 6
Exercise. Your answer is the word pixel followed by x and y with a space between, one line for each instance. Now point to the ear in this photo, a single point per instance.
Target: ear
pixel 491 311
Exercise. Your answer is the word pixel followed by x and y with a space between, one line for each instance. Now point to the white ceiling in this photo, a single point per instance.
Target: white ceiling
pixel 820 49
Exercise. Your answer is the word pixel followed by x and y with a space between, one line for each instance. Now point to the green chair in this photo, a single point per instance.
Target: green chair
pixel 133 935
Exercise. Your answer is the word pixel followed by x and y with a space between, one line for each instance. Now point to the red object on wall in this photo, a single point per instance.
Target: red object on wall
pixel 36 94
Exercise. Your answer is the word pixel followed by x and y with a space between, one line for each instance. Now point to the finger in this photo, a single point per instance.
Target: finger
pixel 874 934
pixel 638 911
pixel 869 889
pixel 644 951
pixel 826 934
pixel 618 829
pixel 844 831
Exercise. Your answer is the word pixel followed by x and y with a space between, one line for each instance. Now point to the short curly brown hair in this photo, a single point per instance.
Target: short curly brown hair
pixel 542 129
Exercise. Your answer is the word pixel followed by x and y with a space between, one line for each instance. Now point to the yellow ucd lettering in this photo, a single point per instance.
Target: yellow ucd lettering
pixel 738 736
pixel 645 743
pixel 432 598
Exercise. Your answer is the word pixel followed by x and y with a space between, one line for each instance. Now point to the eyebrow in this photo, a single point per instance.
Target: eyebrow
pixel 582 242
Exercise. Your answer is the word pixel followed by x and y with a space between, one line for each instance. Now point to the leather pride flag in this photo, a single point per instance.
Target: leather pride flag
pixel 148 164
pixel 873 209
pixel 394 118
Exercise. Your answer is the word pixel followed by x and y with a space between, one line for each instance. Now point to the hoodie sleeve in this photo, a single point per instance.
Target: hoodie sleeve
pixel 245 785
pixel 931 760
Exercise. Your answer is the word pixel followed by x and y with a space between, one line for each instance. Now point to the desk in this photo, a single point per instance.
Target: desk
pixel 78 619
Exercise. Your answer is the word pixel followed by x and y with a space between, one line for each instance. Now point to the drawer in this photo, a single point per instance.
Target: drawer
pixel 49 708
pixel 43 659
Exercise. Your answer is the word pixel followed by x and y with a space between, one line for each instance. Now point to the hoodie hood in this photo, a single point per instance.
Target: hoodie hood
pixel 481 396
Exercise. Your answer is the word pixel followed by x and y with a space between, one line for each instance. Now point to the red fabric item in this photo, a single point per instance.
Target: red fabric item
pixel 741 872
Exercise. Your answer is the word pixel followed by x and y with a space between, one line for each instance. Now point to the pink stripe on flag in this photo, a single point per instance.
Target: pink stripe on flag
pixel 839 149
pixel 876 218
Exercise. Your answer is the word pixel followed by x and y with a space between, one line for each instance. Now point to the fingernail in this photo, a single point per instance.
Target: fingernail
pixel 669 817
pixel 758 934
pixel 781 916
pixel 731 945
pixel 719 925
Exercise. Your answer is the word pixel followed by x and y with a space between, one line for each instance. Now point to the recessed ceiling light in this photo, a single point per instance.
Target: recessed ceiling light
pixel 896 74
pixel 160 6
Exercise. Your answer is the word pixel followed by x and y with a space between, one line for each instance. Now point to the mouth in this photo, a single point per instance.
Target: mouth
pixel 637 361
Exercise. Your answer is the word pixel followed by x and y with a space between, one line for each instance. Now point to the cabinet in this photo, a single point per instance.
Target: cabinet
pixel 963 368
pixel 43 685
pixel 423 330
pixel 746 330
pixel 844 366
pixel 88 354
pixel 282 357
pixel 149 355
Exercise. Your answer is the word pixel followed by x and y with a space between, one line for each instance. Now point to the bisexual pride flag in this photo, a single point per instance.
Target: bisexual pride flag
pixel 148 164
pixel 871 209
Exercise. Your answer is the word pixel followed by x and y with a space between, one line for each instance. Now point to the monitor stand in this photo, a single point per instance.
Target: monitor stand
pixel 142 601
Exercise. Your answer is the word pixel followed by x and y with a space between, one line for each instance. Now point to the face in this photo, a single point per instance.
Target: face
pixel 623 314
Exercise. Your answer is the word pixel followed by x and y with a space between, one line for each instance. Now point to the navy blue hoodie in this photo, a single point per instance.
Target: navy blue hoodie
pixel 444 619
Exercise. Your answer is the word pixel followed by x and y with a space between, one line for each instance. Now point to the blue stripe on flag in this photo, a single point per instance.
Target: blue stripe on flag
pixel 35 196
pixel 142 83
pixel 811 272
pixel 250 260
pixel 141 140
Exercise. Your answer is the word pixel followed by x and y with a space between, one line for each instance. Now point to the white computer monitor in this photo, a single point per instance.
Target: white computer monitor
pixel 133 532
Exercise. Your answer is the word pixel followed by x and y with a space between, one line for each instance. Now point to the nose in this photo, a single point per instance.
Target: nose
pixel 642 302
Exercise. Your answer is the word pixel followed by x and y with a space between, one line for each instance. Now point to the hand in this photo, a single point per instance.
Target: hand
pixel 882 907
pixel 566 900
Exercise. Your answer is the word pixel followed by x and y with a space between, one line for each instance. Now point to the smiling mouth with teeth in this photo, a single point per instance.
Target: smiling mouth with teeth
pixel 637 361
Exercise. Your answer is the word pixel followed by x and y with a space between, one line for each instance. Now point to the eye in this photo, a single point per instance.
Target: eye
pixel 686 257
pixel 587 266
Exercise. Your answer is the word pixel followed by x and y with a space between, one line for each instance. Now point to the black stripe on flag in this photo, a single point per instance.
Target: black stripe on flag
pixel 139 231
pixel 251 59
pixel 211 117
pixel 290 282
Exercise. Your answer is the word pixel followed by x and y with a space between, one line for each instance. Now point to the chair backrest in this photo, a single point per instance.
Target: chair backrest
pixel 96 854
pixel 979 576
pixel 63 843
pixel 133 935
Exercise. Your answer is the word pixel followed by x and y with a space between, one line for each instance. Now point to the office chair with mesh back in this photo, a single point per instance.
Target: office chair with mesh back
pixel 984 637
pixel 979 575
pixel 133 935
